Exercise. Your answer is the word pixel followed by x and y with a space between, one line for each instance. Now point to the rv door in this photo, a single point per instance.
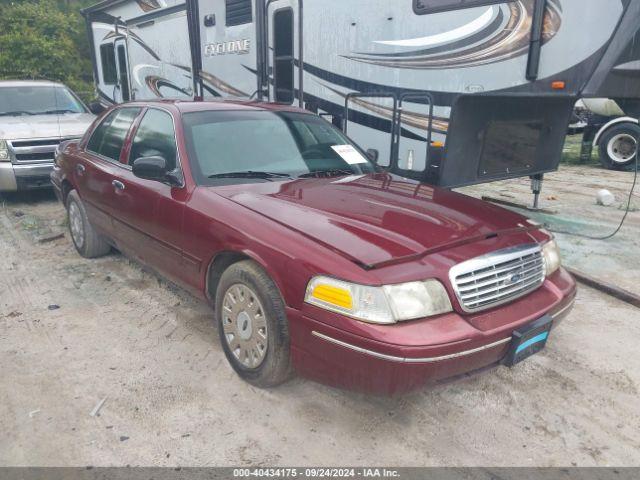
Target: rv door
pixel 282 36
pixel 122 91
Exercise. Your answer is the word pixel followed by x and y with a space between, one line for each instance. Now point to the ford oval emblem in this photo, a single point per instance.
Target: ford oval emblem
pixel 515 278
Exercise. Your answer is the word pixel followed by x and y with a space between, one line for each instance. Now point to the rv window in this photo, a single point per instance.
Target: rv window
pixel 424 7
pixel 108 60
pixel 124 74
pixel 283 55
pixel 238 12
pixel 108 138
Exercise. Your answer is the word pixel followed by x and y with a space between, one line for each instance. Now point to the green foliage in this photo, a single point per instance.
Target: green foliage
pixel 46 39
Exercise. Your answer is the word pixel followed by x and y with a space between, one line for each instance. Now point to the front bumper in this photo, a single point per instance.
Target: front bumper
pixel 395 359
pixel 17 177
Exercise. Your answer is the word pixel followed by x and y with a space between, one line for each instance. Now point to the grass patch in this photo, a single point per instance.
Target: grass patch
pixel 571 152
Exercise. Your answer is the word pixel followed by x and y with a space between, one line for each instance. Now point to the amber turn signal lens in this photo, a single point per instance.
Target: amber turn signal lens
pixel 558 85
pixel 339 297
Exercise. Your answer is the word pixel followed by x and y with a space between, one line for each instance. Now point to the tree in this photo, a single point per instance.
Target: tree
pixel 46 39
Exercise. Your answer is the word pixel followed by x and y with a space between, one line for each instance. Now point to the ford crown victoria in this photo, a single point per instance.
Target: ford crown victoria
pixel 314 259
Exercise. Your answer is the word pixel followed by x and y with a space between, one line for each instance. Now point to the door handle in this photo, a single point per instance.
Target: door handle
pixel 80 168
pixel 118 185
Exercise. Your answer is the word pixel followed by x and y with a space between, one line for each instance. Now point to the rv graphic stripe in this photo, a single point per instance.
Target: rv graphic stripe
pixel 511 41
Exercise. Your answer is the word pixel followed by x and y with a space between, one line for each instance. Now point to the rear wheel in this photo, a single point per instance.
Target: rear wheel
pixel 86 240
pixel 619 146
pixel 253 325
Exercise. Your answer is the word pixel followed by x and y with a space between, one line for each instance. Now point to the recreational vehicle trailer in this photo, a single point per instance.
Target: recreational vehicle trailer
pixel 449 92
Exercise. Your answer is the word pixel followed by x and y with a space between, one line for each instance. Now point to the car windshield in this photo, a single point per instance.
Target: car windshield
pixel 268 145
pixel 38 100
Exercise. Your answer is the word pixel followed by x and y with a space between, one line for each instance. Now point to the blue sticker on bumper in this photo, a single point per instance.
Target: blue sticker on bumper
pixel 532 341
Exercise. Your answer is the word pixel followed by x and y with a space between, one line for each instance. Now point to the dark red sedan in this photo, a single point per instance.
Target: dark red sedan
pixel 315 259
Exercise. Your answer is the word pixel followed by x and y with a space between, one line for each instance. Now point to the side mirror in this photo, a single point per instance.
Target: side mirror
pixel 96 108
pixel 373 155
pixel 150 168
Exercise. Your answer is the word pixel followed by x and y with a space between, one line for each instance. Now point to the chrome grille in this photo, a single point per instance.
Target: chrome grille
pixel 498 277
pixel 36 150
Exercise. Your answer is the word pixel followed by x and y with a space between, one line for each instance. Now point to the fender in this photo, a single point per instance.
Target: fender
pixel 248 254
pixel 596 140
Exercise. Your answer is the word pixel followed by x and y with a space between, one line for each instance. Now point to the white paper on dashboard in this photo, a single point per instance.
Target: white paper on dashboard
pixel 349 154
pixel 349 179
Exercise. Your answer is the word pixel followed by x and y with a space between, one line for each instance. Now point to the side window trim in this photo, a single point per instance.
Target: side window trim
pixel 127 136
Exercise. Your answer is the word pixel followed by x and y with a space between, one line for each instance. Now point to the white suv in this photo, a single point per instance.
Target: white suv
pixel 35 117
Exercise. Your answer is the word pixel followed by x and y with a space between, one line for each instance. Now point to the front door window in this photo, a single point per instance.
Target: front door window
pixel 108 138
pixel 155 138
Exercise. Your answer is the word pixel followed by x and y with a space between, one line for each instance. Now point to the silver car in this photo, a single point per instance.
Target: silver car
pixel 35 117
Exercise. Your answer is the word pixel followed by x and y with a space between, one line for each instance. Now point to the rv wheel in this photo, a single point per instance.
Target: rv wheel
pixel 619 146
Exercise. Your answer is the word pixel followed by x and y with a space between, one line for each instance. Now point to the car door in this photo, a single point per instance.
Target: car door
pixel 97 171
pixel 149 213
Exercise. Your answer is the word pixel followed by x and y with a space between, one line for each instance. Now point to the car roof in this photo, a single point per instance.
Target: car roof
pixel 187 106
pixel 29 83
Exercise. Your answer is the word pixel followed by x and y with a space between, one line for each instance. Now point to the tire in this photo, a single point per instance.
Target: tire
pixel 86 240
pixel 254 331
pixel 616 146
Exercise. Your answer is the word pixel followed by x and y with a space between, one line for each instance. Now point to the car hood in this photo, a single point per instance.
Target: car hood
pixel 45 126
pixel 376 218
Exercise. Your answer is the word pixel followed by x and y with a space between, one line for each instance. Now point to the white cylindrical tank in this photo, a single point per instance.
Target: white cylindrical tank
pixel 603 106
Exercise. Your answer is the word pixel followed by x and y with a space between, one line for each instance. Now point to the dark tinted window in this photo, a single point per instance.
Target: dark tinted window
pixel 108 61
pixel 238 12
pixel 283 55
pixel 423 7
pixel 155 137
pixel 107 140
pixel 124 80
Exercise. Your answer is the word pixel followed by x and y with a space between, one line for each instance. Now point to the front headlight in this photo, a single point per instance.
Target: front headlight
pixel 551 254
pixel 4 151
pixel 388 304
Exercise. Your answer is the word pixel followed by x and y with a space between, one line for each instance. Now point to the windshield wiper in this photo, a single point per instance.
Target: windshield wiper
pixel 251 174
pixel 336 172
pixel 62 110
pixel 15 113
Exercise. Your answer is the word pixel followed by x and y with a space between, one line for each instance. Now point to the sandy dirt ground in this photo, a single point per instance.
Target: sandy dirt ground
pixel 74 332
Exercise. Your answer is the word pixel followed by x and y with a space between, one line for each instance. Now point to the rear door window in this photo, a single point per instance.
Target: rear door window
pixel 108 138
pixel 155 137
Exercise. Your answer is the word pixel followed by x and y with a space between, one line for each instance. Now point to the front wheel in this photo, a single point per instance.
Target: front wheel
pixel 619 146
pixel 253 325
